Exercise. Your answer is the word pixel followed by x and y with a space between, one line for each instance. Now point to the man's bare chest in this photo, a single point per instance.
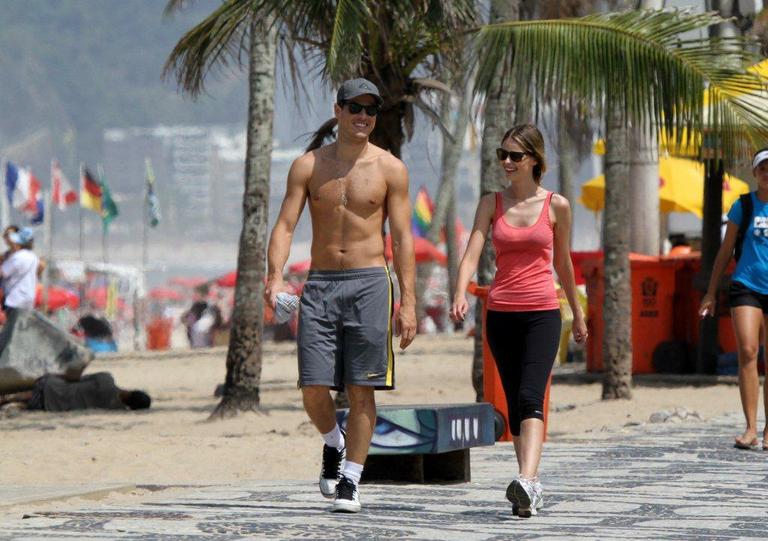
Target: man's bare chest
pixel 355 190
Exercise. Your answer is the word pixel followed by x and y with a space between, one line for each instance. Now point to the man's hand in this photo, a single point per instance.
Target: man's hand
pixel 405 325
pixel 274 286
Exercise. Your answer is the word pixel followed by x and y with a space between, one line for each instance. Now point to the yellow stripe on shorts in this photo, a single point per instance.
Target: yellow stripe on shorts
pixel 390 352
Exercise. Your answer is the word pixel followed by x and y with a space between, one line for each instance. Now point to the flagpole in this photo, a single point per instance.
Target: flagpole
pixel 48 225
pixel 100 170
pixel 144 228
pixel 82 172
pixel 5 217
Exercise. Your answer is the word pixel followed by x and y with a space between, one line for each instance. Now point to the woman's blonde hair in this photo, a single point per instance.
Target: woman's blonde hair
pixel 531 141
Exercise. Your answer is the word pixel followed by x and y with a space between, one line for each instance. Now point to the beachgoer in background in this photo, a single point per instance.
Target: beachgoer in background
pixel 55 393
pixel 530 232
pixel 96 333
pixel 202 320
pixel 344 335
pixel 20 269
pixel 748 293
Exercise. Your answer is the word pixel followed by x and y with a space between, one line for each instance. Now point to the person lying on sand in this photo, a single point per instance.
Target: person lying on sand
pixel 92 391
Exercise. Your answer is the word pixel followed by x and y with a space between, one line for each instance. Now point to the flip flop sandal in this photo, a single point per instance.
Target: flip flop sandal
pixel 738 444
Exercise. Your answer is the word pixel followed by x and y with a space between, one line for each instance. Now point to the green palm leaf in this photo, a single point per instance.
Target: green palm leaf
pixel 639 62
pixel 349 26
pixel 217 41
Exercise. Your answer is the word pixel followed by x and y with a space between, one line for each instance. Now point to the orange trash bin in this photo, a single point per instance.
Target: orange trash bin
pixel 493 391
pixel 653 288
pixel 159 334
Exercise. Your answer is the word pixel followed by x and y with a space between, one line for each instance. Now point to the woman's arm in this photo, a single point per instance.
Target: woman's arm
pixel 724 254
pixel 486 208
pixel 563 264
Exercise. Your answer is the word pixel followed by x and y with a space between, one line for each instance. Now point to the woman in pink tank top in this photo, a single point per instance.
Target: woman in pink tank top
pixel 530 231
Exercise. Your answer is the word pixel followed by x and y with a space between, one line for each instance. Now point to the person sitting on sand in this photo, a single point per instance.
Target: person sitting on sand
pixel 93 391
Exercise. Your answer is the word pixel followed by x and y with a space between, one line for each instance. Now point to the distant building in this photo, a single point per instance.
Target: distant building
pixel 199 172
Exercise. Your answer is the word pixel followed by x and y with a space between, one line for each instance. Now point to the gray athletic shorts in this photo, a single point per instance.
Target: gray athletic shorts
pixel 345 329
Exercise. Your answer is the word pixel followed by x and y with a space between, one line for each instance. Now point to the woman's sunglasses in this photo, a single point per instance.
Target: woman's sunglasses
pixel 354 108
pixel 515 156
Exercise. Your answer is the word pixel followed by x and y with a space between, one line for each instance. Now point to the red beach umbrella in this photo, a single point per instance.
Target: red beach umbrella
pixel 300 267
pixel 165 294
pixel 58 297
pixel 227 280
pixel 425 251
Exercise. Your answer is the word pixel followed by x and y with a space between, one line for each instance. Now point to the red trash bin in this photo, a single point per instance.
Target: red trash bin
pixel 653 287
pixel 159 334
pixel 493 391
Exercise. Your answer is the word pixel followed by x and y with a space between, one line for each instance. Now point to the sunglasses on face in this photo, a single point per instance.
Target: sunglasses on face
pixel 513 155
pixel 354 108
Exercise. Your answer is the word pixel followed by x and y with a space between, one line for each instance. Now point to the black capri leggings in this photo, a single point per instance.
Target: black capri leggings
pixel 524 345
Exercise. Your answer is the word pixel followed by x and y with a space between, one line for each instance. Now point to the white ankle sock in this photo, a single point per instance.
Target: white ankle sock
pixel 352 471
pixel 334 438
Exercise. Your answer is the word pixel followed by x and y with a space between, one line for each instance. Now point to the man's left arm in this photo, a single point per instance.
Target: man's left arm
pixel 399 212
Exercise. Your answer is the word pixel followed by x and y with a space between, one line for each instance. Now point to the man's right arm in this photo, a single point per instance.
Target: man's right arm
pixel 282 233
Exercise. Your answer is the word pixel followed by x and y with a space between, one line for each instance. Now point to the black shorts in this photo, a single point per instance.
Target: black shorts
pixel 741 295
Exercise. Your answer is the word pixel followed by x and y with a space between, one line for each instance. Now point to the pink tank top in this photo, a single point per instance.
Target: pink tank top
pixel 523 280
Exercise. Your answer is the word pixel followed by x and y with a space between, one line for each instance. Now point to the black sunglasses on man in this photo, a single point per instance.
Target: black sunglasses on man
pixel 354 108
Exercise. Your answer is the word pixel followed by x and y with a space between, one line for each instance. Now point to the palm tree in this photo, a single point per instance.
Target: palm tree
pixel 637 68
pixel 218 40
pixel 388 42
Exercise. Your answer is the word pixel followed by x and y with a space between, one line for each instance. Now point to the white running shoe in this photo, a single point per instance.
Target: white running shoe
pixel 526 495
pixel 347 499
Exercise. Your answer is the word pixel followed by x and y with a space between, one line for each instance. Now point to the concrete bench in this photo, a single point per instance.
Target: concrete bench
pixel 426 443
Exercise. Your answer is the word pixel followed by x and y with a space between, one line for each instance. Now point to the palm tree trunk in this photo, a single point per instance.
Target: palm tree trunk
pixel 706 362
pixel 241 387
pixel 499 108
pixel 644 179
pixel 452 251
pixel 644 191
pixel 566 152
pixel 617 342
pixel 442 217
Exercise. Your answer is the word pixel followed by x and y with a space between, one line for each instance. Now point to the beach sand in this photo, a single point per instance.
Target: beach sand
pixel 174 444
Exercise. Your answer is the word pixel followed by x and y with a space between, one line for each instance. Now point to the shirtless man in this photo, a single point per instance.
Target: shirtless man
pixel 345 335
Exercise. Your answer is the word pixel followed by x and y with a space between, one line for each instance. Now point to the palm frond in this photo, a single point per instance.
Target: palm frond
pixel 217 41
pixel 638 61
pixel 346 38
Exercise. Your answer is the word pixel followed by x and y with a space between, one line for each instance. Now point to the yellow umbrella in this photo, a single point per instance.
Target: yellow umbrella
pixel 681 188
pixel 690 147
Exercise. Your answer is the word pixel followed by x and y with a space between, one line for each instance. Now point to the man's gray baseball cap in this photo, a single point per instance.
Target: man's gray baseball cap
pixel 358 87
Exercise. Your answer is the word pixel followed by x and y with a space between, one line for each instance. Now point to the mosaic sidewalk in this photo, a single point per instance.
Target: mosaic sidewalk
pixel 679 481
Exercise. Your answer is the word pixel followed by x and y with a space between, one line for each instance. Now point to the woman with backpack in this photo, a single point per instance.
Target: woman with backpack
pixel 747 233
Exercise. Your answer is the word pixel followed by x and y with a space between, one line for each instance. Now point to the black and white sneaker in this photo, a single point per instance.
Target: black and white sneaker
pixel 347 499
pixel 331 469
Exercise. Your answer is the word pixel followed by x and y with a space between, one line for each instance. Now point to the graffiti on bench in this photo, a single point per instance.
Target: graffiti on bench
pixel 430 428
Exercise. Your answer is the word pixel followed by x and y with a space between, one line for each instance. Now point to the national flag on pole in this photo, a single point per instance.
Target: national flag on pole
pixel 38 216
pixel 90 191
pixel 108 206
pixel 153 203
pixel 422 213
pixel 22 187
pixel 62 193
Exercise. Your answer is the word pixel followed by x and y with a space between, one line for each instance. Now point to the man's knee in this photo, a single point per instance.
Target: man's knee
pixel 361 398
pixel 314 394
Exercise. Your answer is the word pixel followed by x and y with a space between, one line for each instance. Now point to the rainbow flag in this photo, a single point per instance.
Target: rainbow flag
pixel 422 213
